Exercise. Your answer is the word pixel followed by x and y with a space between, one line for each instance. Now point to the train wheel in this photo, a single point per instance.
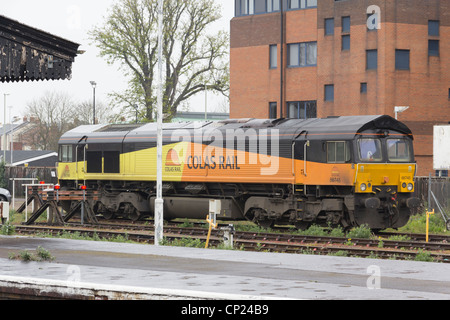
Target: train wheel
pixel 108 215
pixel 135 215
pixel 260 218
pixel 266 223
pixel 302 225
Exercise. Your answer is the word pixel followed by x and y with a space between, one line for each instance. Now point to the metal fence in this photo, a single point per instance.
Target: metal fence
pixel 440 196
pixel 18 176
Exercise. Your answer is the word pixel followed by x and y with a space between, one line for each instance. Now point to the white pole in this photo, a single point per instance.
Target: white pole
pixel 206 103
pixel 4 128
pixel 159 202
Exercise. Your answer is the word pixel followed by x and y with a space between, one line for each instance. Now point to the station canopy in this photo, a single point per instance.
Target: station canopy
pixel 29 54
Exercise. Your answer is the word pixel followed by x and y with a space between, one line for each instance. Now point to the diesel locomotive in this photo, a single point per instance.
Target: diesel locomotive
pixel 345 171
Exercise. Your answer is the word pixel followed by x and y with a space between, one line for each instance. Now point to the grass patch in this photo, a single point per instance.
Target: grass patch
pixel 423 256
pixel 361 232
pixel 40 255
pixel 7 229
pixel 417 224
pixel 184 242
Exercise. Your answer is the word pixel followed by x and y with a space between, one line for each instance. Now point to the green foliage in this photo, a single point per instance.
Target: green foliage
pixel 340 253
pixel 184 242
pixel 193 55
pixel 362 232
pixel 7 229
pixel 424 256
pixel 337 232
pixel 41 254
pixel 3 181
pixel 417 224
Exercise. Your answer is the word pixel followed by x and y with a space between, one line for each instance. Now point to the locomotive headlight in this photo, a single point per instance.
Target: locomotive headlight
pixel 363 187
pixel 410 186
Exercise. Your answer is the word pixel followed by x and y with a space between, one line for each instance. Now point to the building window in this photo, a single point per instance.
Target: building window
pixel 273 5
pixel 345 24
pixel 273 110
pixel 311 3
pixel 329 92
pixel 433 27
pixel 329 27
pixel 401 59
pixel 301 4
pixel 250 7
pixel 273 56
pixel 363 87
pixel 371 59
pixel 294 4
pixel 302 109
pixel 302 54
pixel 346 42
pixel 260 6
pixel 433 48
pixel 441 173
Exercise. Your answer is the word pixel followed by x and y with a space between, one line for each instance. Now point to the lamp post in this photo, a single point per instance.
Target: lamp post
pixel 159 202
pixel 206 102
pixel 94 85
pixel 136 107
pixel 398 110
pixel 12 135
pixel 4 127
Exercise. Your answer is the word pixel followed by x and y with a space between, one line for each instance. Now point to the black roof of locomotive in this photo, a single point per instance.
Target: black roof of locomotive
pixel 348 125
pixel 336 126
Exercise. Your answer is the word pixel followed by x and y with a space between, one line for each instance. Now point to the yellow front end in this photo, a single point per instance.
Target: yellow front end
pixel 370 176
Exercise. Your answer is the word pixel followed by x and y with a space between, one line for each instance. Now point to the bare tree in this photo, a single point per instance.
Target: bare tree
pixel 194 59
pixel 55 113
pixel 85 109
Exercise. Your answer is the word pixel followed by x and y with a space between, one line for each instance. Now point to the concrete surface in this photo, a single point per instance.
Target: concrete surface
pixel 222 274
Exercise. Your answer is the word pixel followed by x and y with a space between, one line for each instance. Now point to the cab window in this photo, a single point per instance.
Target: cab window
pixel 398 150
pixel 65 153
pixel 370 150
pixel 338 152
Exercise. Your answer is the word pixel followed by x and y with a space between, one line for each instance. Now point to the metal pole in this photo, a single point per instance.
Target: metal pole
pixel 82 206
pixel 206 103
pixel 159 202
pixel 4 128
pixel 94 105
pixel 94 85
pixel 281 59
pixel 11 143
pixel 429 192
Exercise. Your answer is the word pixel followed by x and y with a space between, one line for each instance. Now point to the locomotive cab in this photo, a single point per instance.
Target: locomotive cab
pixel 352 171
pixel 384 179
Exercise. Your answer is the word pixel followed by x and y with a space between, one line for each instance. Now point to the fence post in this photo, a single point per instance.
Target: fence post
pixel 429 192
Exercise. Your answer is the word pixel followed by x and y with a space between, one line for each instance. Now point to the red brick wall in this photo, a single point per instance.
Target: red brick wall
pixel 424 88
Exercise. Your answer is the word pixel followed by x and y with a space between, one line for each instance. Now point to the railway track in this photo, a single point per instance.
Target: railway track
pixel 271 242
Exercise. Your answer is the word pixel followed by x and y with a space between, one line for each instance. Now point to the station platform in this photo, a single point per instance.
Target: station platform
pixel 108 270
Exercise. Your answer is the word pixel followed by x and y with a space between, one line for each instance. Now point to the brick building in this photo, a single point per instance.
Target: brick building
pixel 351 57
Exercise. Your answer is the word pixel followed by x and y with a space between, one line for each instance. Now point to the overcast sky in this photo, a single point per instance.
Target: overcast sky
pixel 72 20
